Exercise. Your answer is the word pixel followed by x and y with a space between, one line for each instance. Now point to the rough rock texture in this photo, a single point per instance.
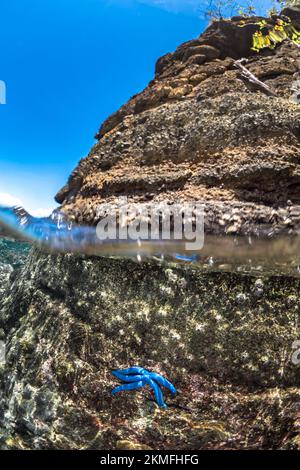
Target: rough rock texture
pixel 13 256
pixel 224 340
pixel 199 132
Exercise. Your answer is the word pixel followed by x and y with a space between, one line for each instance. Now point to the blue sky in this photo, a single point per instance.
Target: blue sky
pixel 67 65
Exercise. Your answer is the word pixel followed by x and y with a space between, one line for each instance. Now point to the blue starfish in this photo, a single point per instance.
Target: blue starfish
pixel 190 258
pixel 137 377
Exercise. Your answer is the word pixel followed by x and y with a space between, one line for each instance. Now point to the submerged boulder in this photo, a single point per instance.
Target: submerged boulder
pixel 225 341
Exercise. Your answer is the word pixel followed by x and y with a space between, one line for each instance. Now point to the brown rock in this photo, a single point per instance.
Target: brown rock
pixel 70 189
pixel 163 63
pixel 198 78
pixel 209 52
pixel 180 91
pixel 213 68
pixel 274 68
pixel 196 59
pixel 294 14
pixel 230 38
pixel 200 133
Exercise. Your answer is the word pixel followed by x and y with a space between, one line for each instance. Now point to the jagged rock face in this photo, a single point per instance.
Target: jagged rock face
pixel 70 320
pixel 199 132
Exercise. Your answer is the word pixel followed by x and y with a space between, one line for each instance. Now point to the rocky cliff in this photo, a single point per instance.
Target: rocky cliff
pixel 198 132
pixel 201 132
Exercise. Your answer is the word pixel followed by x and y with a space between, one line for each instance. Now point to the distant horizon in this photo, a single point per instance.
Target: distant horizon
pixel 67 66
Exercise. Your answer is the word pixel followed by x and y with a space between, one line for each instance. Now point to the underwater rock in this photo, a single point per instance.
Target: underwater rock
pixel 13 256
pixel 70 320
pixel 6 271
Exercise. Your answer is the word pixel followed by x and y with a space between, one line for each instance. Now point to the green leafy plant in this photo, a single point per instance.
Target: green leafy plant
pixel 283 30
pixel 265 36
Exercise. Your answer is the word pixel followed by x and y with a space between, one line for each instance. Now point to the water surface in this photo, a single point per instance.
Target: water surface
pixel 251 255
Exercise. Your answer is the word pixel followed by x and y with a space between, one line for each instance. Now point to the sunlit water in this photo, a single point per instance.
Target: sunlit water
pixel 275 256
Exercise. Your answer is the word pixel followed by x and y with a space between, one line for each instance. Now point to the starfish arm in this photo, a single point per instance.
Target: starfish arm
pixel 127 378
pixel 162 381
pixel 157 392
pixel 126 387
pixel 131 370
pixel 186 258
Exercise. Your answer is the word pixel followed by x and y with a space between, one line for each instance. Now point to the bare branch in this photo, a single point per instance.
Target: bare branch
pixel 251 79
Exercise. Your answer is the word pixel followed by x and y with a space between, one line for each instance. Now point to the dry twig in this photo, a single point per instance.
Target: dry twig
pixel 251 79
